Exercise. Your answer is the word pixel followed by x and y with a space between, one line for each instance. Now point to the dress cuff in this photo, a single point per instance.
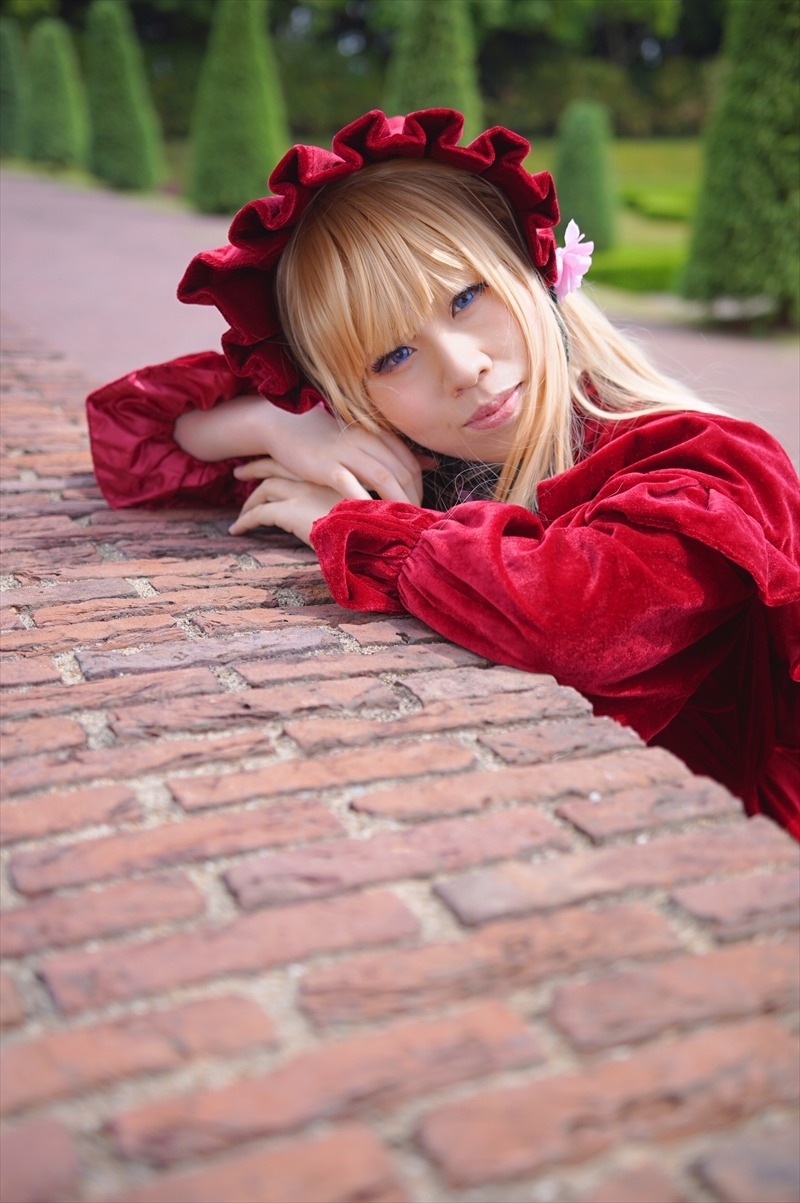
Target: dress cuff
pixel 362 547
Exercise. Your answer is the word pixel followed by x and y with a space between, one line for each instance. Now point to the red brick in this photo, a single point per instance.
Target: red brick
pixel 347 1165
pixel 539 783
pixel 454 683
pixel 166 580
pixel 644 1184
pixel 731 983
pixel 251 944
pixel 12 1008
pixel 584 735
pixel 47 814
pixel 63 1064
pixel 68 592
pixel 89 915
pixel 218 622
pixel 372 1073
pixel 29 736
pixel 429 849
pixel 514 889
pixel 123 632
pixel 396 629
pixel 278 552
pixel 234 596
pixel 500 958
pixel 173 843
pixel 644 809
pixel 347 664
pixel 707 1080
pixel 250 706
pixel 148 567
pixel 40 561
pixel 97 664
pixel 545 702
pixel 38 670
pixel 162 756
pixel 761 1165
pixel 739 907
pixel 38 1163
pixel 10 619
pixel 34 532
pixel 343 768
pixel 96 695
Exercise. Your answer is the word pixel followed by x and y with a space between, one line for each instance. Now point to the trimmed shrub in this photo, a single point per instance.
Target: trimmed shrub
pixel 583 174
pixel 433 62
pixel 239 127
pixel 744 240
pixel 14 92
pixel 126 144
pixel 58 117
pixel 639 268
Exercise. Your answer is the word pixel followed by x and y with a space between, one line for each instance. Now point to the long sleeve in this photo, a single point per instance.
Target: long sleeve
pixel 136 458
pixel 661 578
pixel 598 605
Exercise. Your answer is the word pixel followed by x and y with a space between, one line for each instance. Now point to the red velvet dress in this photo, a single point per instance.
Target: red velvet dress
pixel 660 576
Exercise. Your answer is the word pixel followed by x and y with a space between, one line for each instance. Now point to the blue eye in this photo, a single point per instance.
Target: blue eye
pixel 392 360
pixel 464 299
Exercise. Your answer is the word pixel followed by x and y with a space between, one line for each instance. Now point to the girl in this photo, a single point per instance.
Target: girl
pixel 459 434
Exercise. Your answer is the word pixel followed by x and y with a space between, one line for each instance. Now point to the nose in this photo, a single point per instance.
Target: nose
pixel 461 358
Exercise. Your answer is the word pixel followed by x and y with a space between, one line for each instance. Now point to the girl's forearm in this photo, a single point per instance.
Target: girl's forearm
pixel 243 426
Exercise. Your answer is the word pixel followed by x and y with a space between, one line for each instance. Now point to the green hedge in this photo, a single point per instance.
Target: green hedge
pixel 639 269
pixel 59 130
pixel 583 172
pixel 239 127
pixel 661 204
pixel 126 143
pixel 744 242
pixel 434 61
pixel 14 92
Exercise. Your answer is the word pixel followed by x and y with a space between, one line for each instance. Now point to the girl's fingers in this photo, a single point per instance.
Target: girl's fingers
pixel 261 469
pixel 261 515
pixel 347 485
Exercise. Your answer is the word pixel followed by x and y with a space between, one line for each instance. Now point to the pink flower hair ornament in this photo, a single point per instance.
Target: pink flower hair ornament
pixel 573 261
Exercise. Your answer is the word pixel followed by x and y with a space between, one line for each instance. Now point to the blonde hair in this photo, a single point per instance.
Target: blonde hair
pixel 374 254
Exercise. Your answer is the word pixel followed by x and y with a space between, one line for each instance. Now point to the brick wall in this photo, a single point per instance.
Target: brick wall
pixel 303 905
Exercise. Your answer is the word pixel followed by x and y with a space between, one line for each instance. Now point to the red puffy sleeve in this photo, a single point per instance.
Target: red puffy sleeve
pixel 631 582
pixel 136 459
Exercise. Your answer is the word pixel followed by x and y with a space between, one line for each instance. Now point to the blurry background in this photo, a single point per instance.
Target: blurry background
pixel 671 125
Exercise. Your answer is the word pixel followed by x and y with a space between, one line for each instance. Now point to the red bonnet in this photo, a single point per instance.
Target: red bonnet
pixel 240 278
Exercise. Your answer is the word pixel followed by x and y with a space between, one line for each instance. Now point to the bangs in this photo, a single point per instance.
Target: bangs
pixel 375 254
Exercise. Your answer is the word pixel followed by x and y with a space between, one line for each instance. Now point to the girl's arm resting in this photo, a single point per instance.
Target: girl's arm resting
pixel 314 446
pixel 131 422
pixel 598 605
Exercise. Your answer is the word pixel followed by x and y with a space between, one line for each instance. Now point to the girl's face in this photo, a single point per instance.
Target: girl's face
pixel 457 385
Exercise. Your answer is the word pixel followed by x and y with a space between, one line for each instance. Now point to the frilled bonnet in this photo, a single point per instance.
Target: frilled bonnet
pixel 240 278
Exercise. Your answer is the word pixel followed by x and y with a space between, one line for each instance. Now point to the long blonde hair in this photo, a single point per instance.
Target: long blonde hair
pixel 373 255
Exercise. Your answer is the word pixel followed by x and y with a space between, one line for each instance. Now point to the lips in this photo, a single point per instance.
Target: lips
pixel 502 409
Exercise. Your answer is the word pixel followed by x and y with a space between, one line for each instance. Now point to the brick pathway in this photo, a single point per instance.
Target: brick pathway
pixel 305 905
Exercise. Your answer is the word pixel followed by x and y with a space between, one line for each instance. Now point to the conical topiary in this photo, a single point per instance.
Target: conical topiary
pixel 58 117
pixel 14 92
pixel 239 127
pixel 583 174
pixel 126 144
pixel 434 61
pixel 744 240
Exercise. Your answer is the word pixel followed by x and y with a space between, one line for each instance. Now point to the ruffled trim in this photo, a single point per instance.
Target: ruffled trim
pixel 239 279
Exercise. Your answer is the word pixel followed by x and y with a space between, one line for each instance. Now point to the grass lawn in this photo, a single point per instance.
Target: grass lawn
pixel 657 180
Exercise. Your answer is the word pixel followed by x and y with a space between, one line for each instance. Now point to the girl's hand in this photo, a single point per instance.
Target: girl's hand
pixel 283 500
pixel 350 460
